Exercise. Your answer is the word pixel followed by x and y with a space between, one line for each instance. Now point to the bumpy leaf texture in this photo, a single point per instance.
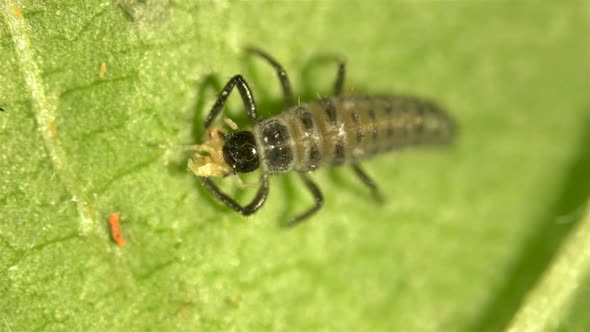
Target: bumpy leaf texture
pixel 98 97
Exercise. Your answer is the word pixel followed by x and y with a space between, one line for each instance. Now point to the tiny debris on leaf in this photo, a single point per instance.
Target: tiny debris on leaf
pixel 52 128
pixel 89 209
pixel 212 164
pixel 17 12
pixel 102 70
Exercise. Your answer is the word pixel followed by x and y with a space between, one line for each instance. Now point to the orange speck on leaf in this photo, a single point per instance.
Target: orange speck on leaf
pixel 52 128
pixel 102 70
pixel 116 229
pixel 17 12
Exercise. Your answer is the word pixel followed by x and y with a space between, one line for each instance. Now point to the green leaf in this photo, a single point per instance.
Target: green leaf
pixel 545 306
pixel 96 95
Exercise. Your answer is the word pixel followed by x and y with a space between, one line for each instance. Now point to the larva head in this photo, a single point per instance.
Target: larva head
pixel 240 153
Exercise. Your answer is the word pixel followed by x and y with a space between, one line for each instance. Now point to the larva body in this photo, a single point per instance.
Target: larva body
pixel 336 130
pixel 331 131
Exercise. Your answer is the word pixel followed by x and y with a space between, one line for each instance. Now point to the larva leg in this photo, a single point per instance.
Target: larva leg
pixel 317 196
pixel 256 203
pixel 281 73
pixel 369 182
pixel 340 76
pixel 245 92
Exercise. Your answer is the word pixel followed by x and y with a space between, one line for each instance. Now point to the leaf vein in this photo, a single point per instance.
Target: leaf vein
pixel 43 107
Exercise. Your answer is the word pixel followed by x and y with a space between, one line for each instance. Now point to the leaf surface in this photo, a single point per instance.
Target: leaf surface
pixel 97 94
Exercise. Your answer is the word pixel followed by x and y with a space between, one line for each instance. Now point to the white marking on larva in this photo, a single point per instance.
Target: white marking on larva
pixel 224 93
pixel 341 132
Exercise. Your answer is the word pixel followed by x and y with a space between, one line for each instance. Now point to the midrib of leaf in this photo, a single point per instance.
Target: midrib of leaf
pixel 548 302
pixel 43 107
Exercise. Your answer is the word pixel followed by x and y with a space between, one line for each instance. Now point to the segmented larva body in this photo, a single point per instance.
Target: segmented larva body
pixel 343 129
pixel 329 131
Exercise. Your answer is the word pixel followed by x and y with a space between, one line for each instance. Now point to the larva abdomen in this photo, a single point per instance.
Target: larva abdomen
pixel 330 131
pixel 343 129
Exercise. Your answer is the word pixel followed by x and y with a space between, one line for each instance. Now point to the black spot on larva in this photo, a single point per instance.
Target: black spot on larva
pixel 410 108
pixel 279 159
pixel 389 132
pixel 373 118
pixel 357 126
pixel 389 110
pixel 275 133
pixel 355 117
pixel 314 157
pixel 278 153
pixel 419 126
pixel 305 117
pixel 339 156
pixel 423 109
pixel 329 107
pixel 360 134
